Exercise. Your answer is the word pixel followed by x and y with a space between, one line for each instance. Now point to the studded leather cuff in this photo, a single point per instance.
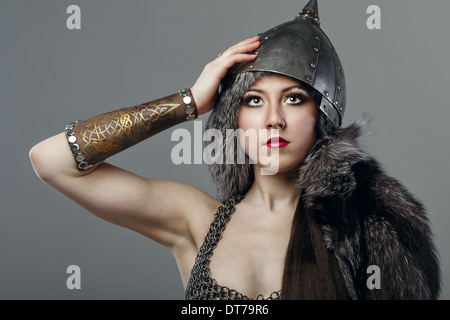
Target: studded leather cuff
pixel 94 140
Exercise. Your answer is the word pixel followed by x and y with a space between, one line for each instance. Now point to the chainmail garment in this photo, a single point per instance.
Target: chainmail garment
pixel 200 285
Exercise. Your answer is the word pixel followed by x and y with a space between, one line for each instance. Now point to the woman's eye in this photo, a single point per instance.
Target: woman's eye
pixel 256 101
pixel 294 99
pixel 253 101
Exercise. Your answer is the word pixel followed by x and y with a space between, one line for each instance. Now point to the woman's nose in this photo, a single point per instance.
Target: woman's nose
pixel 275 119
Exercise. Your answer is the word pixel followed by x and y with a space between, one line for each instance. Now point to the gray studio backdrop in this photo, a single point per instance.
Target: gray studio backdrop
pixel 128 52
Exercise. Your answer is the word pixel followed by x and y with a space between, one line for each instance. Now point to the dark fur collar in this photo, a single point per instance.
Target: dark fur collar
pixel 368 219
pixel 328 168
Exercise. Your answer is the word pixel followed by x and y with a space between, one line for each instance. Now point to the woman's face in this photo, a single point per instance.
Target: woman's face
pixel 284 115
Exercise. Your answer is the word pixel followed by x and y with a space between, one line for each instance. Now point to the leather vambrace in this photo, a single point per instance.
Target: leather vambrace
pixel 92 141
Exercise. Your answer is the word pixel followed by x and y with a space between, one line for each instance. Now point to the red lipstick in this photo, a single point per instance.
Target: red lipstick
pixel 277 142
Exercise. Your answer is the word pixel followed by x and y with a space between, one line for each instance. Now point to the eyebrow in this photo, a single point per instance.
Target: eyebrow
pixel 284 90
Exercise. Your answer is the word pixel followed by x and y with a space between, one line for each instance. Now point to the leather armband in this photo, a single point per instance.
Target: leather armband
pixel 92 141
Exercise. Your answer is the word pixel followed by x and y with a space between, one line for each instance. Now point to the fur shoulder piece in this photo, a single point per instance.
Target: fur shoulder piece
pixel 369 221
pixel 327 170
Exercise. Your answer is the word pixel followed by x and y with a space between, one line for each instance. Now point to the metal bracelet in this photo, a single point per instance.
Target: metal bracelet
pixel 75 147
pixel 188 100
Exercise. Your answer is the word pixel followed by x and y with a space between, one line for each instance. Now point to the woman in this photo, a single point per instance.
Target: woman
pixel 310 229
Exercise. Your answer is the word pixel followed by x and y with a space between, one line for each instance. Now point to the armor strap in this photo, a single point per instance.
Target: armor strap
pixel 96 139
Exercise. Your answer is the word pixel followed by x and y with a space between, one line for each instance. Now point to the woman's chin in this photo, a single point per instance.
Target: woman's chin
pixel 276 167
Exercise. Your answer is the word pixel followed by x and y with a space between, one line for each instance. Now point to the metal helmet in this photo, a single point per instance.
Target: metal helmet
pixel 301 50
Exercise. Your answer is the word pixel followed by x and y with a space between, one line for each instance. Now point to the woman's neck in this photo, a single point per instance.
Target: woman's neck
pixel 275 192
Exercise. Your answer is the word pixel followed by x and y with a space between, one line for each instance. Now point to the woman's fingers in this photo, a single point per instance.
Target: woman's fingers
pixel 247 41
pixel 206 87
pixel 237 54
pixel 244 46
pixel 231 60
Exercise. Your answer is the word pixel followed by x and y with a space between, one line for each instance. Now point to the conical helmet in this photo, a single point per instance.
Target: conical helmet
pixel 301 50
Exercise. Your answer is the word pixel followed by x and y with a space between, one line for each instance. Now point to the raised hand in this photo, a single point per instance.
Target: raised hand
pixel 206 87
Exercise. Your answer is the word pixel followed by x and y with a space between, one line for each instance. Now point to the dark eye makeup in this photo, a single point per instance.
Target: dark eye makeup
pixel 292 98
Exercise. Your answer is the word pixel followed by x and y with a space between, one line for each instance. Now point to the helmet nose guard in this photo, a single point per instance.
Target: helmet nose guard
pixel 301 50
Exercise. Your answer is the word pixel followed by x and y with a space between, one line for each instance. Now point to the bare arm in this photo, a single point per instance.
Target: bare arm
pixel 155 208
pixel 165 211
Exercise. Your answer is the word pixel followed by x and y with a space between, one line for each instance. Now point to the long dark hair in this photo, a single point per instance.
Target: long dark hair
pixel 310 272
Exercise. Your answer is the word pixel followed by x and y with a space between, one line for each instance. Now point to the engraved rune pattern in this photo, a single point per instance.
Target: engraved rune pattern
pixel 105 131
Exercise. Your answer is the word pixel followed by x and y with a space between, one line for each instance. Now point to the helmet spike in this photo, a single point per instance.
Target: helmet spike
pixel 310 11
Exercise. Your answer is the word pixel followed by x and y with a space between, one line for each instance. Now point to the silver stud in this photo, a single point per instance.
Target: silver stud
pixel 316 49
pixel 340 109
pixel 189 109
pixel 82 165
pixel 266 38
pixel 187 100
pixel 251 67
pixel 339 87
pixel 313 65
pixel 317 38
pixel 339 67
pixel 190 117
pixel 326 93
pixel 75 148
pixel 80 157
pixel 308 78
pixel 70 126
pixel 70 132
pixel 72 139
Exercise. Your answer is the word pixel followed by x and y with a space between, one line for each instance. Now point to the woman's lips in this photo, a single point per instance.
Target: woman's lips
pixel 277 142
